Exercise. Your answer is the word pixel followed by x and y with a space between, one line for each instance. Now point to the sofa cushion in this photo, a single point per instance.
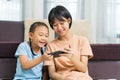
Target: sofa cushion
pixel 7 68
pixel 81 28
pixel 28 23
pixel 104 70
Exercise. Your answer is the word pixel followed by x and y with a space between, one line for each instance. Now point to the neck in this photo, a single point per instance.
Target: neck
pixel 66 37
pixel 35 48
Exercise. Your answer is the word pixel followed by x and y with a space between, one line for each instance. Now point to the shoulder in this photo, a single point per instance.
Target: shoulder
pixel 52 45
pixel 53 41
pixel 23 45
pixel 80 38
pixel 23 49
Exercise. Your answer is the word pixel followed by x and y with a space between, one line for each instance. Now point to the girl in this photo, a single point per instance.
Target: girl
pixel 30 54
pixel 71 65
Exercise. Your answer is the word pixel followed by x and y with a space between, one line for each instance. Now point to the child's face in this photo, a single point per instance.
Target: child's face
pixel 40 36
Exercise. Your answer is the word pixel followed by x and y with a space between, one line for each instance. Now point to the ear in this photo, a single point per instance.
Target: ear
pixel 30 35
pixel 69 20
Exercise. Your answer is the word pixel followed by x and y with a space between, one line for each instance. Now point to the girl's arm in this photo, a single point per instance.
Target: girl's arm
pixel 27 64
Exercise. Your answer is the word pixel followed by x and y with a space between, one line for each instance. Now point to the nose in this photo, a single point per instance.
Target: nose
pixel 44 38
pixel 59 27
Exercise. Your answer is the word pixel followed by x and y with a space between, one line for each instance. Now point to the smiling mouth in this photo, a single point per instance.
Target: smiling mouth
pixel 42 42
pixel 61 32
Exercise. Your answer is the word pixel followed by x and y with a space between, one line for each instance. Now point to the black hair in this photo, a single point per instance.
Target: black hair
pixel 59 12
pixel 35 25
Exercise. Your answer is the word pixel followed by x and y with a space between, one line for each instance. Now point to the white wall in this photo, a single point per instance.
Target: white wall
pixel 34 9
pixel 91 14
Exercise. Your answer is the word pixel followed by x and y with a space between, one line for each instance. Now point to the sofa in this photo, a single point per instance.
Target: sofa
pixel 106 62
pixel 11 34
pixel 104 65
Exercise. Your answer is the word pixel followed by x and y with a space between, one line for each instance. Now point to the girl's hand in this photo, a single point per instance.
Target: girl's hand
pixel 46 56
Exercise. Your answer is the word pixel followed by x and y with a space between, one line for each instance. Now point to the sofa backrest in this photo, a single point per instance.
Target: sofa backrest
pixel 11 31
pixel 106 52
pixel 11 34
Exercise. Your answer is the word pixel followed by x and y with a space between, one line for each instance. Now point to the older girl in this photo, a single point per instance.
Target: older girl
pixel 72 65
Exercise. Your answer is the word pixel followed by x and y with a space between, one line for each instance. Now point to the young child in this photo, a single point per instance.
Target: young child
pixel 72 64
pixel 30 54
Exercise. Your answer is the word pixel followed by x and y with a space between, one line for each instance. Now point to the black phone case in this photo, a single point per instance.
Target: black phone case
pixel 56 53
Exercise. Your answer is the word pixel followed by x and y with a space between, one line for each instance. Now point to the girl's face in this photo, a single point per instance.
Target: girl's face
pixel 40 36
pixel 61 27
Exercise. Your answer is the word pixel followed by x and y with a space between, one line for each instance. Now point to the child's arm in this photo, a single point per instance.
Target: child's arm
pixel 27 64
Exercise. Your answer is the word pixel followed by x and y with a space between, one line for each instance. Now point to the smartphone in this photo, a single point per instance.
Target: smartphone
pixel 56 53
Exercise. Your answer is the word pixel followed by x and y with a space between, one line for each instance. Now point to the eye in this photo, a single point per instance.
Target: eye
pixel 40 34
pixel 46 35
pixel 54 25
pixel 62 22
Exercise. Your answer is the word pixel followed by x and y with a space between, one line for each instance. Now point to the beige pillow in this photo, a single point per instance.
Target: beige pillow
pixel 28 23
pixel 79 27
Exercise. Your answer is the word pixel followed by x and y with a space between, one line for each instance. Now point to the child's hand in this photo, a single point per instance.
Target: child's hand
pixel 47 57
